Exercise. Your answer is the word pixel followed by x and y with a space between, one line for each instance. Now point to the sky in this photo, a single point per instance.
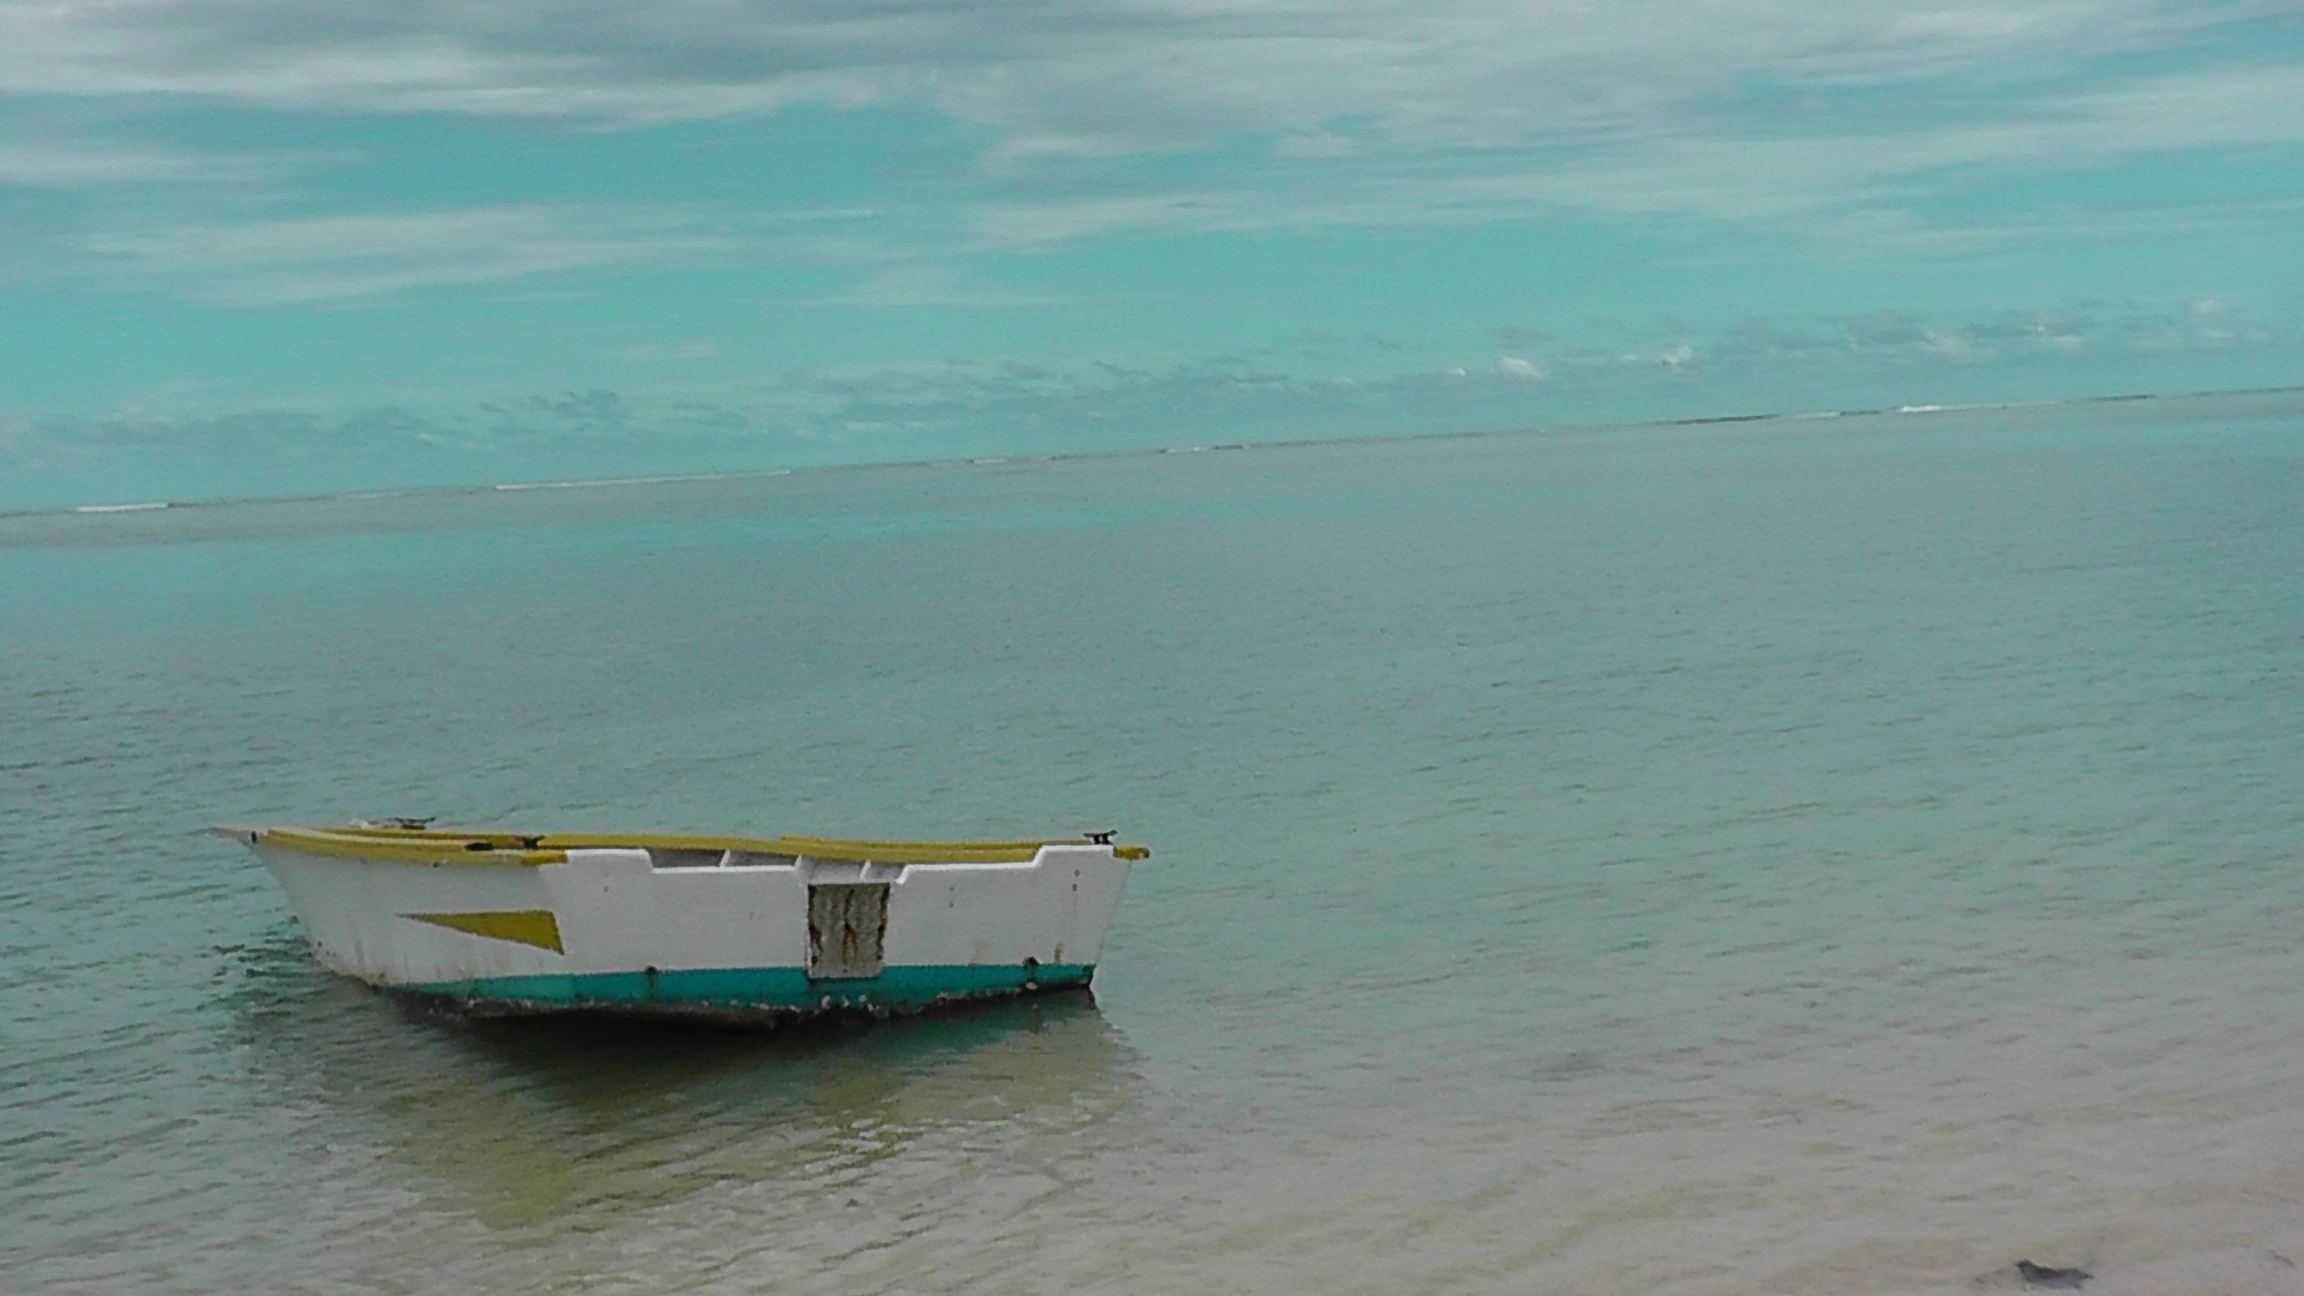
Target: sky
pixel 260 246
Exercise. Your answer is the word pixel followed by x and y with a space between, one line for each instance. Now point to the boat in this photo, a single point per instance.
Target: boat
pixel 721 927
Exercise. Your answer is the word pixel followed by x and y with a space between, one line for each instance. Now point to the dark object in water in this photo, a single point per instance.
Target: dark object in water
pixel 2043 1276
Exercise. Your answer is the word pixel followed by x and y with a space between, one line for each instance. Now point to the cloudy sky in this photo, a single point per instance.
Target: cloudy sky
pixel 257 245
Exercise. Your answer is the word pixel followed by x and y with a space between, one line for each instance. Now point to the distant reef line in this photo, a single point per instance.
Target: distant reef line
pixel 654 479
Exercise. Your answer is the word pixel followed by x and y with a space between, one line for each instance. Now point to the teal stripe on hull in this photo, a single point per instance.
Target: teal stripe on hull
pixel 740 991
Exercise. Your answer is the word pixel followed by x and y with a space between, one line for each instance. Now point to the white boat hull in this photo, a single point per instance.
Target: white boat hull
pixel 696 931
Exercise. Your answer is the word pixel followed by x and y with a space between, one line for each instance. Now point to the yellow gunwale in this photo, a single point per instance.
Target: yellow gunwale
pixel 534 850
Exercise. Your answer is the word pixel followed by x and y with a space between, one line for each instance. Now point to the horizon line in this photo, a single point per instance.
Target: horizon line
pixel 741 474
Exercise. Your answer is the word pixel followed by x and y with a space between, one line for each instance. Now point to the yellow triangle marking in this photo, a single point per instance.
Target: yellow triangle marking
pixel 527 926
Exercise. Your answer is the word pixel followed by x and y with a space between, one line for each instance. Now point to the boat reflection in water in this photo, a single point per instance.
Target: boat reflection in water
pixel 548 1128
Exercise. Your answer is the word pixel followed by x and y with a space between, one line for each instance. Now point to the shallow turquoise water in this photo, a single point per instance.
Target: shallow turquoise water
pixel 1833 855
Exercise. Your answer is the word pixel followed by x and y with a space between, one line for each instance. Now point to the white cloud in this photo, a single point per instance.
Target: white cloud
pixel 348 257
pixel 1952 346
pixel 951 410
pixel 1826 118
pixel 55 163
pixel 695 348
pixel 1853 180
pixel 1093 76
